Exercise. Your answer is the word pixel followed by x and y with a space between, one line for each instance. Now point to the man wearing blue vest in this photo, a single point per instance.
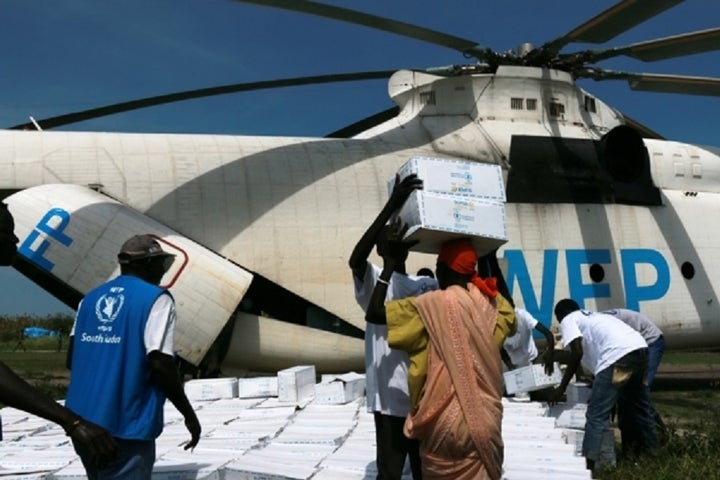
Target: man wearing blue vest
pixel 121 361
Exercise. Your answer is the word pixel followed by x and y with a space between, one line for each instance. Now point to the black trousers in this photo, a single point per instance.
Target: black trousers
pixel 392 446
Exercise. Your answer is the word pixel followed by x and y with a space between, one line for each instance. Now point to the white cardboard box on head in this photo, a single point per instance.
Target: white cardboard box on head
pixel 339 389
pixel 457 177
pixel 296 383
pixel 531 378
pixel 434 218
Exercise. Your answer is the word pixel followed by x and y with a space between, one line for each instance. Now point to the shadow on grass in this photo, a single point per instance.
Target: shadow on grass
pixel 685 383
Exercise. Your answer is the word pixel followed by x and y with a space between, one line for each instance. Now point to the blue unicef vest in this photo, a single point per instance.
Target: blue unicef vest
pixel 110 382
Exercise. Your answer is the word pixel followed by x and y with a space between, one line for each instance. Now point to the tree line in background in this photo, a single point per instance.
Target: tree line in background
pixel 12 326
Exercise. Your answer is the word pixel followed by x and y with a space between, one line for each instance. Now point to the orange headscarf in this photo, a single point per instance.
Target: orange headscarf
pixel 461 257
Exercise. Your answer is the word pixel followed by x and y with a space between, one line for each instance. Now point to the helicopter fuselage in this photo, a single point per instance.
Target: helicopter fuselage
pixel 584 219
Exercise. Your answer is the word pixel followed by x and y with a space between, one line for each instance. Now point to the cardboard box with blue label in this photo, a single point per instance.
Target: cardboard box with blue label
pixel 434 218
pixel 455 177
pixel 459 199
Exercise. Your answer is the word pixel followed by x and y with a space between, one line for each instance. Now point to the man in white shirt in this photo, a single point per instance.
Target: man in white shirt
pixel 650 332
pixel 386 379
pixel 617 357
pixel 519 350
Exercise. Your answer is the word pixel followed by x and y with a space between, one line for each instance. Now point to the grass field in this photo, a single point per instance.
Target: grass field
pixel 41 364
pixel 686 394
pixel 688 387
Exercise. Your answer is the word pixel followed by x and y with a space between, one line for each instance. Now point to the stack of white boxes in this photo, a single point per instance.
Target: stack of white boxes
pixel 459 199
pixel 571 416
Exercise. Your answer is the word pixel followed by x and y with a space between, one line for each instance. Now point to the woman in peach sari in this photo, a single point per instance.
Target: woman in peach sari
pixel 455 372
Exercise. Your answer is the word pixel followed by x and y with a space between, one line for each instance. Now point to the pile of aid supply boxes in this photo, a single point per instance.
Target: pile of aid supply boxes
pixel 294 385
pixel 459 199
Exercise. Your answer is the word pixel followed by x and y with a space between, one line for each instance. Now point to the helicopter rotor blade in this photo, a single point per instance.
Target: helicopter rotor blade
pixel 466 47
pixel 104 111
pixel 653 82
pixel 662 48
pixel 606 25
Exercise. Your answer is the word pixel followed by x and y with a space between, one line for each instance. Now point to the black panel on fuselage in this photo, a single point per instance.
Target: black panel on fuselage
pixel 571 170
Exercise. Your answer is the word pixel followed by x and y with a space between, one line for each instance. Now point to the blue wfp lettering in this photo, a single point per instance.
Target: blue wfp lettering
pixel 630 258
pixel 51 226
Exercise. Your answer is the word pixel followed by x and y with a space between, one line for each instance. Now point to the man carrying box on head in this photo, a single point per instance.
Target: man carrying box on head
pixel 386 368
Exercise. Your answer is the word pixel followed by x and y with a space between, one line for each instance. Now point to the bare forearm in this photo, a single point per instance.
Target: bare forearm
pixel 376 307
pixel 167 378
pixel 364 247
pixel 17 393
pixel 549 338
pixel 506 359
pixel 572 367
pixel 401 191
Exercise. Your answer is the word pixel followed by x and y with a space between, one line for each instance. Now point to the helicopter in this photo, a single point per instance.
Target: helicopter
pixel 599 207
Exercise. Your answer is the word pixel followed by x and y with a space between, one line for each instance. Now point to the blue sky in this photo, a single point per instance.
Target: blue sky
pixel 60 57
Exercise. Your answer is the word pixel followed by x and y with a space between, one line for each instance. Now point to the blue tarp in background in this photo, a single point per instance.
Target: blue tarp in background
pixel 35 332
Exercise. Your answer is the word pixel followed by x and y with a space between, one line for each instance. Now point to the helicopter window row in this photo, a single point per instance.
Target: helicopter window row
pixel 517 103
pixel 597 273
pixel 557 109
pixel 427 98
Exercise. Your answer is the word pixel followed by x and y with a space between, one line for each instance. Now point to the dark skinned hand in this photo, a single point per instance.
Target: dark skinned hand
pixel 555 396
pixel 193 425
pixel 96 439
pixel 548 362
pixel 396 248
pixel 402 190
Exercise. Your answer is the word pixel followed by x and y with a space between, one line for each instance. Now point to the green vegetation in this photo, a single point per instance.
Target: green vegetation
pixel 690 453
pixel 689 408
pixel 692 358
pixel 684 407
pixel 40 361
